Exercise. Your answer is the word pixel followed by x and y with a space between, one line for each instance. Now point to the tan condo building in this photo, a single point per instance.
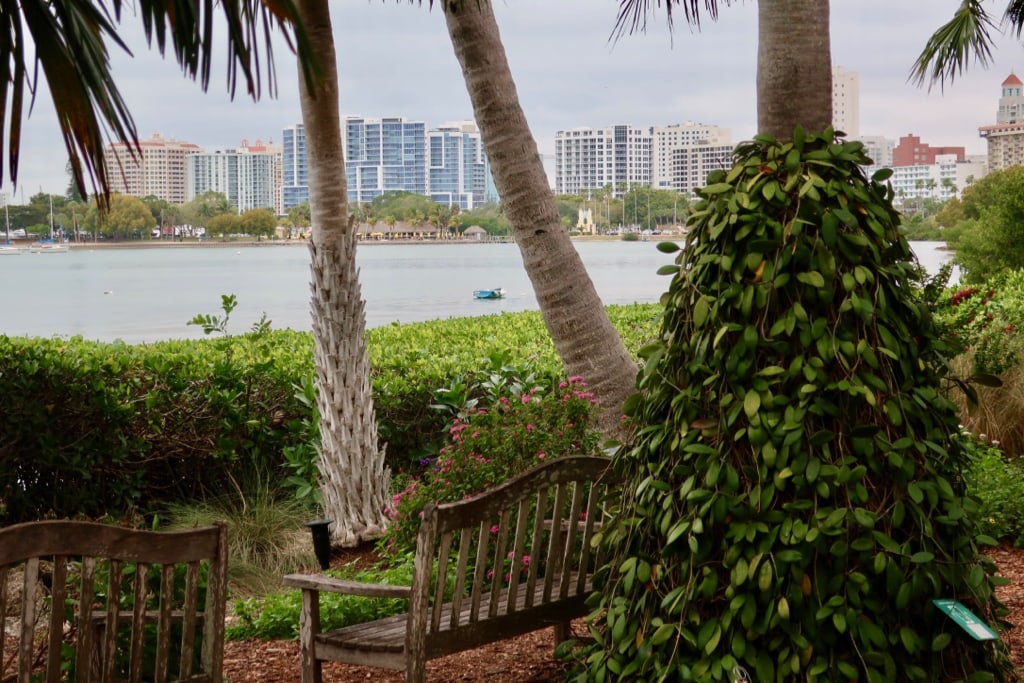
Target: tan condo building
pixel 160 171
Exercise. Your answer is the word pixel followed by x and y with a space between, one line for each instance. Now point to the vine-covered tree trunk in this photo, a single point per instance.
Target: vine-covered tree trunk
pixel 354 479
pixel 583 335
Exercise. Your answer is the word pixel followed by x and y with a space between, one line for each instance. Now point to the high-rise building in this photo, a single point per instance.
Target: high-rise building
pixel 383 155
pixel 249 179
pixel 1006 138
pixel 294 167
pixel 459 173
pixel 846 102
pixel 158 171
pixel 616 157
pixel 666 139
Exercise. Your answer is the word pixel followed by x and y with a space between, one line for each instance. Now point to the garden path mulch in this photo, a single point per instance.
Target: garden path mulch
pixel 528 658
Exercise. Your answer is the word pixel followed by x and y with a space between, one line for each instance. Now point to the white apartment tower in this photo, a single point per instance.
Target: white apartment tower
pixel 248 176
pixel 666 139
pixel 846 102
pixel 158 171
pixel 616 157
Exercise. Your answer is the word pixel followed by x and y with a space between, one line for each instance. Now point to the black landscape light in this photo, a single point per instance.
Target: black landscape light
pixel 321 541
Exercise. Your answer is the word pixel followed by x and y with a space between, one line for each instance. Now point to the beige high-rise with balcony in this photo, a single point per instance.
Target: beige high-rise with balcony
pixel 159 171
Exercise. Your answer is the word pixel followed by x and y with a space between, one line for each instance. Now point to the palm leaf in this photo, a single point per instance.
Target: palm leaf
pixel 71 38
pixel 633 13
pixel 949 51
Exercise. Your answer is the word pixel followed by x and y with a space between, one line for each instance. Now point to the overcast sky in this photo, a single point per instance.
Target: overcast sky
pixel 395 59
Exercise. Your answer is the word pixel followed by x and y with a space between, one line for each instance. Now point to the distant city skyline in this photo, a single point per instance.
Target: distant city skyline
pixel 395 59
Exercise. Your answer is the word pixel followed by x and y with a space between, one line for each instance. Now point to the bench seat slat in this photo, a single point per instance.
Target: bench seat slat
pixel 388 634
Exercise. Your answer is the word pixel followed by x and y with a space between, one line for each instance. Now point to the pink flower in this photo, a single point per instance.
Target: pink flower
pixel 529 427
pixel 495 529
pixel 541 455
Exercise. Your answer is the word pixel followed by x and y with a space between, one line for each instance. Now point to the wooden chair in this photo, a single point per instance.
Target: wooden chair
pixel 110 604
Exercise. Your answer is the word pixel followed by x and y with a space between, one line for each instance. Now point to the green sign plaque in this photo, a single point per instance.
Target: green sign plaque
pixel 966 619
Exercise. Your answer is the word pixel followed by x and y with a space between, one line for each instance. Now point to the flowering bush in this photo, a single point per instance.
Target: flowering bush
pixel 984 322
pixel 489 445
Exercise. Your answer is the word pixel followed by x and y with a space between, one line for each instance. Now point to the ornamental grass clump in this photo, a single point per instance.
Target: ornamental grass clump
pixel 793 499
pixel 489 445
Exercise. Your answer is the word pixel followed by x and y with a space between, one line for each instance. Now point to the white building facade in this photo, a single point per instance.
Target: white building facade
pixel 248 179
pixel 616 157
pixel 943 180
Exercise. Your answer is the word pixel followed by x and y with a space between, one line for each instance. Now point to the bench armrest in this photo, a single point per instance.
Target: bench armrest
pixel 319 582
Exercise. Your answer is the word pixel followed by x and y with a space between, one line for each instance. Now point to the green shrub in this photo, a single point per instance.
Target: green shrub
pixel 90 429
pixel 998 483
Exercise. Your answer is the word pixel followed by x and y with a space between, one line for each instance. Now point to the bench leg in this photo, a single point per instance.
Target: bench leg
pixel 563 630
pixel 415 670
pixel 309 627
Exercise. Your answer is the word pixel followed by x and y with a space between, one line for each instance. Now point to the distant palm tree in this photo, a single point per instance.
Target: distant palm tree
pixel 71 40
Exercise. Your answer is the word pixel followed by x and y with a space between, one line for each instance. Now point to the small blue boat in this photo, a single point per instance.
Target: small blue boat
pixel 496 293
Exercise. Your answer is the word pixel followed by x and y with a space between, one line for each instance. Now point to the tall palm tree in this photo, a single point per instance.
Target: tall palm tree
pixel 794 68
pixel 354 479
pixel 71 40
pixel 583 335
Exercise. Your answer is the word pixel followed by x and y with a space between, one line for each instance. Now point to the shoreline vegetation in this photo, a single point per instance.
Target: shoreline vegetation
pixel 212 244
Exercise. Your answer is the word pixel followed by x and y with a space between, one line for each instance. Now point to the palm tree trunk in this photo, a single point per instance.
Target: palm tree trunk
pixel 354 479
pixel 794 67
pixel 584 337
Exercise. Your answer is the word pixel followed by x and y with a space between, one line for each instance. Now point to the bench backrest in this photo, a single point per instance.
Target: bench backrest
pixel 521 544
pixel 128 602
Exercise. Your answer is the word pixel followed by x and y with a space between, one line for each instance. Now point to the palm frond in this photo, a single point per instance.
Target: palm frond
pixel 1014 16
pixel 71 39
pixel 633 14
pixel 950 49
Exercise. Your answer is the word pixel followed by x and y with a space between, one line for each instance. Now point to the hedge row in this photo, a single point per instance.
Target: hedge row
pixel 91 428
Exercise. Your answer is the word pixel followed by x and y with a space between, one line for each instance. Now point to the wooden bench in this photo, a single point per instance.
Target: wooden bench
pixel 58 578
pixel 539 527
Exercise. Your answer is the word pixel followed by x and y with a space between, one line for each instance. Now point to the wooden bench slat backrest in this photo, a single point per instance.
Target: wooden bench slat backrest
pixel 75 556
pixel 524 541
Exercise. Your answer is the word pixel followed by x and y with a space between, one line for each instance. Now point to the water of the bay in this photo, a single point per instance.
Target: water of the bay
pixel 144 295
